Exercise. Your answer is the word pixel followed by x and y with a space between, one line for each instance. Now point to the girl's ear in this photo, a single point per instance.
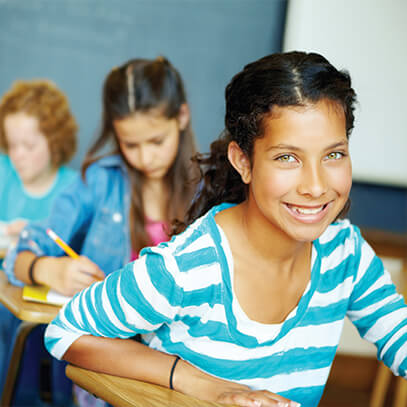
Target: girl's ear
pixel 240 162
pixel 183 116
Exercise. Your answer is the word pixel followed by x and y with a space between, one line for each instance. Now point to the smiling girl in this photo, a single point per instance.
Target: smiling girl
pixel 252 295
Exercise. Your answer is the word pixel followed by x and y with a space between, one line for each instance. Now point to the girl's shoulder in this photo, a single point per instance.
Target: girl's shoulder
pixel 340 232
pixel 105 165
pixel 341 242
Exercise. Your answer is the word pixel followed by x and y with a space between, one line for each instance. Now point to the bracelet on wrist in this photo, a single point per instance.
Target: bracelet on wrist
pixel 177 358
pixel 31 270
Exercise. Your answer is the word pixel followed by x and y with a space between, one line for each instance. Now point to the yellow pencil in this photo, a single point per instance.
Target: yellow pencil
pixel 70 252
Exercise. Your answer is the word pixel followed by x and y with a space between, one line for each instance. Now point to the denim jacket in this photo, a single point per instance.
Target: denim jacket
pixel 92 216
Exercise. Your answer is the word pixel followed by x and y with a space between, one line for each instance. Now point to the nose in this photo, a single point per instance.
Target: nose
pixel 313 181
pixel 145 157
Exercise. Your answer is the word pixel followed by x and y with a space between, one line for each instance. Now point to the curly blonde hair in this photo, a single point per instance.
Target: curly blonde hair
pixel 42 99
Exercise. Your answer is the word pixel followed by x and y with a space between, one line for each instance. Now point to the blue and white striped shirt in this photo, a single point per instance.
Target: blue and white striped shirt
pixel 180 296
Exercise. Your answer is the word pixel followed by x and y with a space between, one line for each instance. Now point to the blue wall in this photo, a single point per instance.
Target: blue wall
pixel 379 207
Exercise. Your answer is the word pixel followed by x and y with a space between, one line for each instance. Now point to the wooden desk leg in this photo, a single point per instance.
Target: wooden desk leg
pixel 380 386
pixel 400 397
pixel 23 331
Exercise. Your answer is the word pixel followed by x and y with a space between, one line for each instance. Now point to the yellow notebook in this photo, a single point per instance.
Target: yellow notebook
pixel 44 295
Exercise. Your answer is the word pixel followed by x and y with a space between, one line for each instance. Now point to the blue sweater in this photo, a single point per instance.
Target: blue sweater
pixel 180 296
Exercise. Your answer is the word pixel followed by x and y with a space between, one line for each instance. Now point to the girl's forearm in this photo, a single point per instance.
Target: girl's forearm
pixel 134 360
pixel 121 357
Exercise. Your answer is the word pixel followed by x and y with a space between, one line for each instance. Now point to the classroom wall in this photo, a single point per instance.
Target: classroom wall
pixel 76 43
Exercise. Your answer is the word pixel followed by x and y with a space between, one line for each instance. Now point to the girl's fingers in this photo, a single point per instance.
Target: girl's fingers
pixel 256 399
pixel 89 267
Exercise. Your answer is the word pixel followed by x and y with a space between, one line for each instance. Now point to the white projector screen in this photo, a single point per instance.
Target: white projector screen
pixel 369 39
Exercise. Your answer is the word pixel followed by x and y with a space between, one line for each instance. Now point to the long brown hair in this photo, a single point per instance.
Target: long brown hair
pixel 142 85
pixel 282 79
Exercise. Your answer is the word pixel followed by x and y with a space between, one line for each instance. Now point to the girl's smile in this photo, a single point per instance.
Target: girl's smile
pixel 308 214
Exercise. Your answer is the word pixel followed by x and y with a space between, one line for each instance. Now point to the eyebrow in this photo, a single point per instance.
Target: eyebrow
pixel 294 148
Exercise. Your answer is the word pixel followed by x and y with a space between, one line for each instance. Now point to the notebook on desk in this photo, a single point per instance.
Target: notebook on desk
pixel 44 295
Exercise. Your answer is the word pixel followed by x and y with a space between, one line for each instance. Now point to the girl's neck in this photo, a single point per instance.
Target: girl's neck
pixel 42 184
pixel 155 198
pixel 259 238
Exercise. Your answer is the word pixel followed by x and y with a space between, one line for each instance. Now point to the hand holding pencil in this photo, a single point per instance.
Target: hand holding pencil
pixel 77 273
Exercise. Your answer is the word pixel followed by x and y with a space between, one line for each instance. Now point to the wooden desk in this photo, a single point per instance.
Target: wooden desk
pixel 31 314
pixel 121 392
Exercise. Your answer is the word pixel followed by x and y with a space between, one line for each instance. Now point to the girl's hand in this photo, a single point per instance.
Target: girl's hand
pixel 255 398
pixel 66 275
pixel 14 228
pixel 192 381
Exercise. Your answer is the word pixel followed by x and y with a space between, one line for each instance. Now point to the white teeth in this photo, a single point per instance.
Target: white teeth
pixel 307 211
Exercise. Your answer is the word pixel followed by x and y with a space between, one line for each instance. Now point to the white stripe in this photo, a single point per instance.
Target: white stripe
pixel 74 304
pixel 392 340
pixel 196 278
pixel 401 355
pixel 340 292
pixel 356 315
pixel 331 232
pixel 132 316
pixel 65 340
pixel 156 299
pixel 338 255
pixel 285 382
pixel 88 315
pixel 366 257
pixel 390 321
pixel 107 307
pixel 205 312
pixel 383 280
pixel 304 337
pixel 204 241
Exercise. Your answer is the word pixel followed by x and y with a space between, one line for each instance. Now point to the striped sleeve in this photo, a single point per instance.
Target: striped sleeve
pixel 378 311
pixel 136 299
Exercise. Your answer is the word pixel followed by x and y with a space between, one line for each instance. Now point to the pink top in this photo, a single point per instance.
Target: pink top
pixel 156 232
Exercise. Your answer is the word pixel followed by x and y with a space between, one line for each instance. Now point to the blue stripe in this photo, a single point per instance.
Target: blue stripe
pixel 392 351
pixel 293 360
pixel 329 247
pixel 132 293
pixel 323 315
pixel 306 396
pixel 372 273
pixel 375 296
pixel 337 275
pixel 199 258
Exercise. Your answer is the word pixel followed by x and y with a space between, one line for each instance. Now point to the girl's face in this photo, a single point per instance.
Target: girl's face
pixel 301 173
pixel 27 147
pixel 149 141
